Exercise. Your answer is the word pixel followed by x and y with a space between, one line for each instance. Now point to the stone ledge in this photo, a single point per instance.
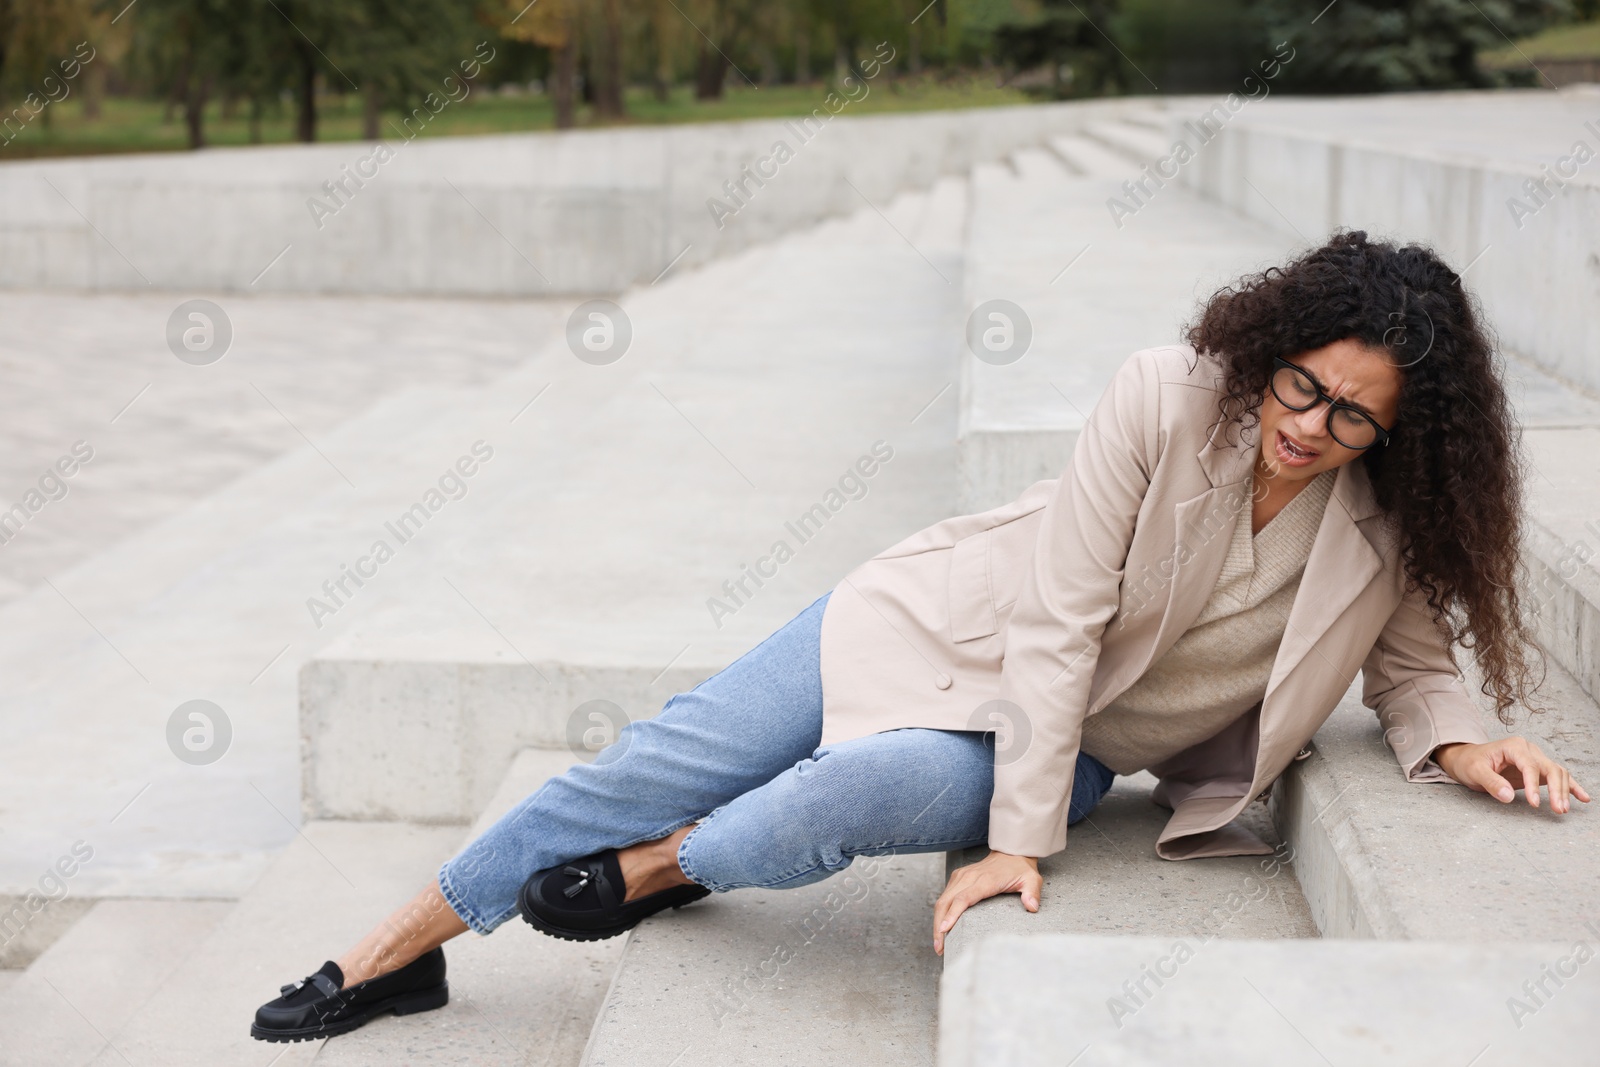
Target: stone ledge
pixel 1137 1001
pixel 1378 856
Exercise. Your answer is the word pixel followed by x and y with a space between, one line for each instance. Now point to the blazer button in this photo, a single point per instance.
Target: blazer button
pixel 942 680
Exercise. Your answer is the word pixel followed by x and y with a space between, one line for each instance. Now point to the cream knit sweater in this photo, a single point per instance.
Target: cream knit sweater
pixel 1219 667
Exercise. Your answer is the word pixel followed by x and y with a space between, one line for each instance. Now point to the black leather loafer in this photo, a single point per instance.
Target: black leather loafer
pixel 583 900
pixel 316 1007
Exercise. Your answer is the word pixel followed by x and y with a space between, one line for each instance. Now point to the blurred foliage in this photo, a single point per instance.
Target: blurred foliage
pixel 248 67
pixel 1364 46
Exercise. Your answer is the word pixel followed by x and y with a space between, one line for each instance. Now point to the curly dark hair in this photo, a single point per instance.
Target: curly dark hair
pixel 1450 480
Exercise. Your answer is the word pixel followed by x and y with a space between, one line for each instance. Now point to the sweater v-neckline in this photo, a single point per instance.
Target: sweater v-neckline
pixel 1292 502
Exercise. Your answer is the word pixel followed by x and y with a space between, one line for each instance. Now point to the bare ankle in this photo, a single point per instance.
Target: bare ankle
pixel 419 926
pixel 651 866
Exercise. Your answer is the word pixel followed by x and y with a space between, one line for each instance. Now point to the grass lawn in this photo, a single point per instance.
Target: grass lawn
pixel 135 125
pixel 1579 41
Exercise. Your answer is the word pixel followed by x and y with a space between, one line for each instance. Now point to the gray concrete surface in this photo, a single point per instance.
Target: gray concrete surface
pixel 1109 880
pixel 1448 169
pixel 1094 292
pixel 166 434
pixel 27 932
pixel 1562 544
pixel 316 899
pixel 834 972
pixel 625 499
pixel 775 365
pixel 1152 1001
pixel 516 996
pixel 1383 857
pixel 66 1007
pixel 587 211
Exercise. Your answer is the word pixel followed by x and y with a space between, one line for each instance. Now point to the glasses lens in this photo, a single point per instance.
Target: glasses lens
pixel 1351 428
pixel 1294 389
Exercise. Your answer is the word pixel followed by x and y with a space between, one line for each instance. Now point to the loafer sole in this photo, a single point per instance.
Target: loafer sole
pixel 400 1004
pixel 566 933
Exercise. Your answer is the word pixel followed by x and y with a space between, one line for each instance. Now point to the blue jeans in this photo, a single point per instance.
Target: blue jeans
pixel 739 754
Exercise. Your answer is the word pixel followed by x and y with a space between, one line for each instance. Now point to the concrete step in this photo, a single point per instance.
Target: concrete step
pixel 70 1003
pixel 751 387
pixel 832 972
pixel 516 997
pixel 1449 169
pixel 588 212
pixel 1151 1001
pixel 1382 857
pixel 1139 144
pixel 1110 881
pixel 317 898
pixel 1090 158
pixel 588 571
pixel 1094 292
pixel 27 932
pixel 1562 541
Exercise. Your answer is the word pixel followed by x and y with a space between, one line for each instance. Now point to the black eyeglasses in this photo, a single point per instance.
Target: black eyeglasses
pixel 1298 391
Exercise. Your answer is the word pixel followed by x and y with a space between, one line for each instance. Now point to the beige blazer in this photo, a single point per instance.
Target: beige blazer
pixel 1030 616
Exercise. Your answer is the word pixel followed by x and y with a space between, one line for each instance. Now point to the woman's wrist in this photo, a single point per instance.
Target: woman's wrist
pixel 1444 755
pixel 1033 861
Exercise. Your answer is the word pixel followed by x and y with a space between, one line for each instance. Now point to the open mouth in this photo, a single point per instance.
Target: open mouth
pixel 1289 450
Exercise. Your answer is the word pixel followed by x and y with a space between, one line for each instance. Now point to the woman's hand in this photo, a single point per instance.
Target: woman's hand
pixel 1499 768
pixel 996 873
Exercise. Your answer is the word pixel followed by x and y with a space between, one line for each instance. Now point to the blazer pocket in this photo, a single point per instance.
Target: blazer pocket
pixel 972 611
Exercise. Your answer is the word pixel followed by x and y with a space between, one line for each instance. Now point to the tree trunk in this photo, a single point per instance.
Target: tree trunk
pixel 255 119
pixel 94 90
pixel 802 56
pixel 371 108
pixel 563 73
pixel 770 74
pixel 710 72
pixel 194 112
pixel 609 71
pixel 306 92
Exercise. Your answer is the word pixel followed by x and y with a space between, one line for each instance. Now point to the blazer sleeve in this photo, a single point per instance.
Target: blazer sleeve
pixel 1069 591
pixel 1410 682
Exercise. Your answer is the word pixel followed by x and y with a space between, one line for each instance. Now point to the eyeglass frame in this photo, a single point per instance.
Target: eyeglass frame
pixel 1278 361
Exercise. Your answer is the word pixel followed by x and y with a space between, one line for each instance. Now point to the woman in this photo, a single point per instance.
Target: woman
pixel 1335 428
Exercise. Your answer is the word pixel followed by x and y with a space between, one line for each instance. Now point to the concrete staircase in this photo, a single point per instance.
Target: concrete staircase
pixel 578 567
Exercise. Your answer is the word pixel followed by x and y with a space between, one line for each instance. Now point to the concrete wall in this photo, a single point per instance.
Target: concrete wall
pixel 1538 276
pixel 516 215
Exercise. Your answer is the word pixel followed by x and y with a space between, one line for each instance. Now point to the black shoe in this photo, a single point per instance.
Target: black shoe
pixel 316 1007
pixel 582 900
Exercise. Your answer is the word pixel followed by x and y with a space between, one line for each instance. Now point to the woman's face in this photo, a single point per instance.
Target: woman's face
pixel 1347 371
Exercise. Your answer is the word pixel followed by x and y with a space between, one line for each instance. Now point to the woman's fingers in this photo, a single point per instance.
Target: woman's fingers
pixel 1560 786
pixel 1500 768
pixel 957 898
pixel 1531 765
pixel 1032 889
pixel 993 875
pixel 1496 786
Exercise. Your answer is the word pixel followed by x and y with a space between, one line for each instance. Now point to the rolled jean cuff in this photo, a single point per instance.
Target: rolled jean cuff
pixel 683 856
pixel 466 914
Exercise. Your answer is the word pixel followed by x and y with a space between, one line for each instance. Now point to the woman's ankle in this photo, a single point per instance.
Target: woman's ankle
pixel 421 925
pixel 651 866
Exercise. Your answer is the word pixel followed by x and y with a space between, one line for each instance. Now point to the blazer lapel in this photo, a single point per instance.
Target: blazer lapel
pixel 1204 526
pixel 1341 564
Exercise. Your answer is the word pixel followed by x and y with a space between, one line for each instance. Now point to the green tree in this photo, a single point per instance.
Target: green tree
pixel 1070 38
pixel 1367 46
pixel 36 36
pixel 399 52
